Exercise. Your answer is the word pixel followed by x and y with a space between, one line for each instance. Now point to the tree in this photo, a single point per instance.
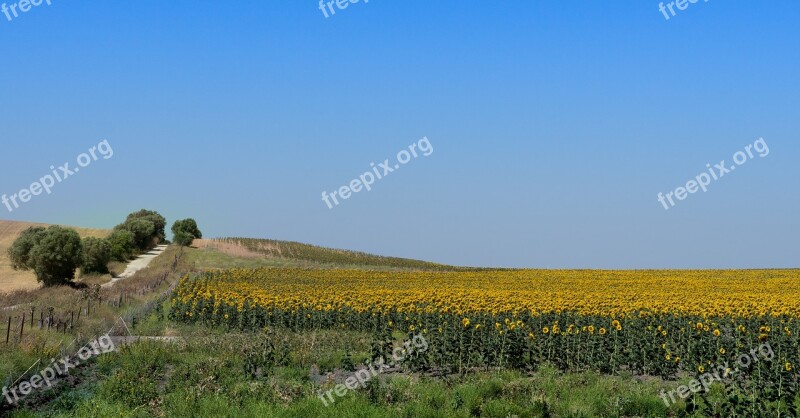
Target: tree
pixel 159 222
pixel 143 233
pixel 53 253
pixel 186 231
pixel 147 228
pixel 123 246
pixel 96 255
pixel 183 239
pixel 20 250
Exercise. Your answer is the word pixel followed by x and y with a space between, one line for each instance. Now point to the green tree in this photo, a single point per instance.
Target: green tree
pixel 53 253
pixel 20 250
pixel 186 231
pixel 123 246
pixel 143 233
pixel 147 228
pixel 96 255
pixel 159 222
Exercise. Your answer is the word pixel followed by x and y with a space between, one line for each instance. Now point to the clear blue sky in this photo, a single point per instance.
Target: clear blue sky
pixel 554 125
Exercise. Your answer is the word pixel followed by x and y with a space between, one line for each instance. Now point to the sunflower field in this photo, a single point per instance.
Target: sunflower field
pixel 650 323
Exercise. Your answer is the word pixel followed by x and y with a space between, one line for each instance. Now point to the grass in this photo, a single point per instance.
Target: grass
pixel 294 254
pixel 42 345
pixel 207 377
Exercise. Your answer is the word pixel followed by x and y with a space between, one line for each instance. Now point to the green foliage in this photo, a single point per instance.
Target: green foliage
pixel 183 239
pixel 96 255
pixel 19 252
pixel 159 222
pixel 53 253
pixel 147 228
pixel 186 231
pixel 143 233
pixel 123 246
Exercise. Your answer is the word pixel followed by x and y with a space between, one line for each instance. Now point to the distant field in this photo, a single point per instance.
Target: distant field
pixel 11 280
pixel 252 253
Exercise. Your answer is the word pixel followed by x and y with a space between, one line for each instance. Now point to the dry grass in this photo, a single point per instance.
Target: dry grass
pixel 11 280
pixel 230 248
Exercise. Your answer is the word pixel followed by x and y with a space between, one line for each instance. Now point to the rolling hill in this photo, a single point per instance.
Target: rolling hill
pixel 287 253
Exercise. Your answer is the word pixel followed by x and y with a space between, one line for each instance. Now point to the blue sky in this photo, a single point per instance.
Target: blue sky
pixel 554 125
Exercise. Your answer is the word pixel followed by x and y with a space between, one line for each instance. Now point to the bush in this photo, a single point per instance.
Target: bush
pixel 186 231
pixel 123 246
pixel 96 255
pixel 53 253
pixel 19 253
pixel 147 228
pixel 143 233
pixel 183 239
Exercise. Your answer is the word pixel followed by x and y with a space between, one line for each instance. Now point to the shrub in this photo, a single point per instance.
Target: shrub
pixel 96 255
pixel 186 231
pixel 122 245
pixel 147 228
pixel 53 253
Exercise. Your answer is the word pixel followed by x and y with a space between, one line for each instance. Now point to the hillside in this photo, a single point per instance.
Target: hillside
pixel 265 252
pixel 11 280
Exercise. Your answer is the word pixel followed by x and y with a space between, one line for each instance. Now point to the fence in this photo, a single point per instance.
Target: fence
pixel 65 321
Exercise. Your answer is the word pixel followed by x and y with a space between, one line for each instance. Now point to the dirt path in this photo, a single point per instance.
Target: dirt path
pixel 139 263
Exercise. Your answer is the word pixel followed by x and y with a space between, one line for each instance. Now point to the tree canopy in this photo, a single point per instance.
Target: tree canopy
pixel 186 231
pixel 53 254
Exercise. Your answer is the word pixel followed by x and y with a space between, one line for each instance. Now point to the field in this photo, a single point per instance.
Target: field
pixel 265 331
pixel 11 280
pixel 650 323
pixel 286 253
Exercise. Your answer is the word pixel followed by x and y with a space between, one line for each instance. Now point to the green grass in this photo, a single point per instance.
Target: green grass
pixel 206 376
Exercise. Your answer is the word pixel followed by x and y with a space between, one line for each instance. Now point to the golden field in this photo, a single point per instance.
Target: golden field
pixel 646 322
pixel 730 293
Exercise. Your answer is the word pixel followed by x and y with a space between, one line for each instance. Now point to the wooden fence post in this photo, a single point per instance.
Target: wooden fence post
pixel 8 331
pixel 21 327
